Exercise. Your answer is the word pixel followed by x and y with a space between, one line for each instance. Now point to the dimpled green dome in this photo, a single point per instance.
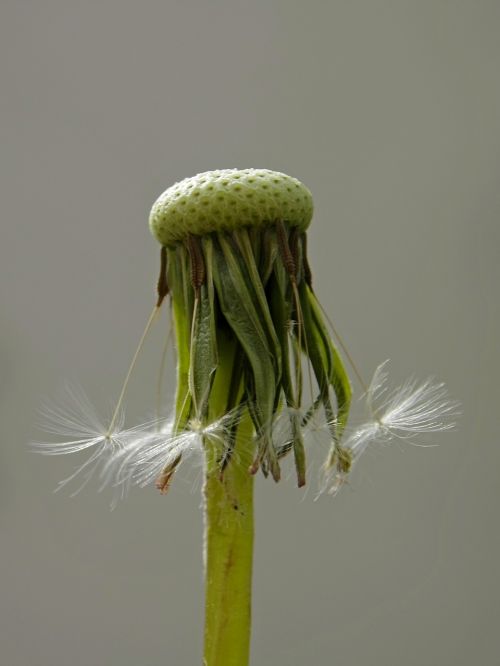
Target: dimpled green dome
pixel 225 199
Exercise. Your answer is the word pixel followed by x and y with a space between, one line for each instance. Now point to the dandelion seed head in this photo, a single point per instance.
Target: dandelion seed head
pixel 227 199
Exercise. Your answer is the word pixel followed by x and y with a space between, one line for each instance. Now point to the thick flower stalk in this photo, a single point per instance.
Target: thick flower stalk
pixel 255 366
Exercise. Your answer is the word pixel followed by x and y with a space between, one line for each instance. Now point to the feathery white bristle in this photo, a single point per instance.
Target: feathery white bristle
pixel 152 452
pixel 77 420
pixel 79 428
pixel 411 408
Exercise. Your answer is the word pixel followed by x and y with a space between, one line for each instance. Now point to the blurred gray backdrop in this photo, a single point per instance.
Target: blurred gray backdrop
pixel 390 112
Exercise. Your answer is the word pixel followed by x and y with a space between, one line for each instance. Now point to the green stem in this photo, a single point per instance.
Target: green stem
pixel 228 504
pixel 228 561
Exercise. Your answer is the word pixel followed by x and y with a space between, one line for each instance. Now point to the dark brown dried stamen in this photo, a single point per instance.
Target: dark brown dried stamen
pixel 162 285
pixel 198 272
pixel 305 262
pixel 295 250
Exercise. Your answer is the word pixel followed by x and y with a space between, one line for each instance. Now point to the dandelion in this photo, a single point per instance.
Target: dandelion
pixel 234 265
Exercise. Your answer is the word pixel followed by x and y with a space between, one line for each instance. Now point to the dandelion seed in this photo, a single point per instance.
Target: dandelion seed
pixel 79 429
pixel 404 413
pixel 77 421
pixel 153 456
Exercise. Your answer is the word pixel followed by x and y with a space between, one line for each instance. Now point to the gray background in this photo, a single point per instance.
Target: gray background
pixel 390 113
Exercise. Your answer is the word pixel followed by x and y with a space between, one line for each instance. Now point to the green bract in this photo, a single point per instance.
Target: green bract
pixel 234 262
